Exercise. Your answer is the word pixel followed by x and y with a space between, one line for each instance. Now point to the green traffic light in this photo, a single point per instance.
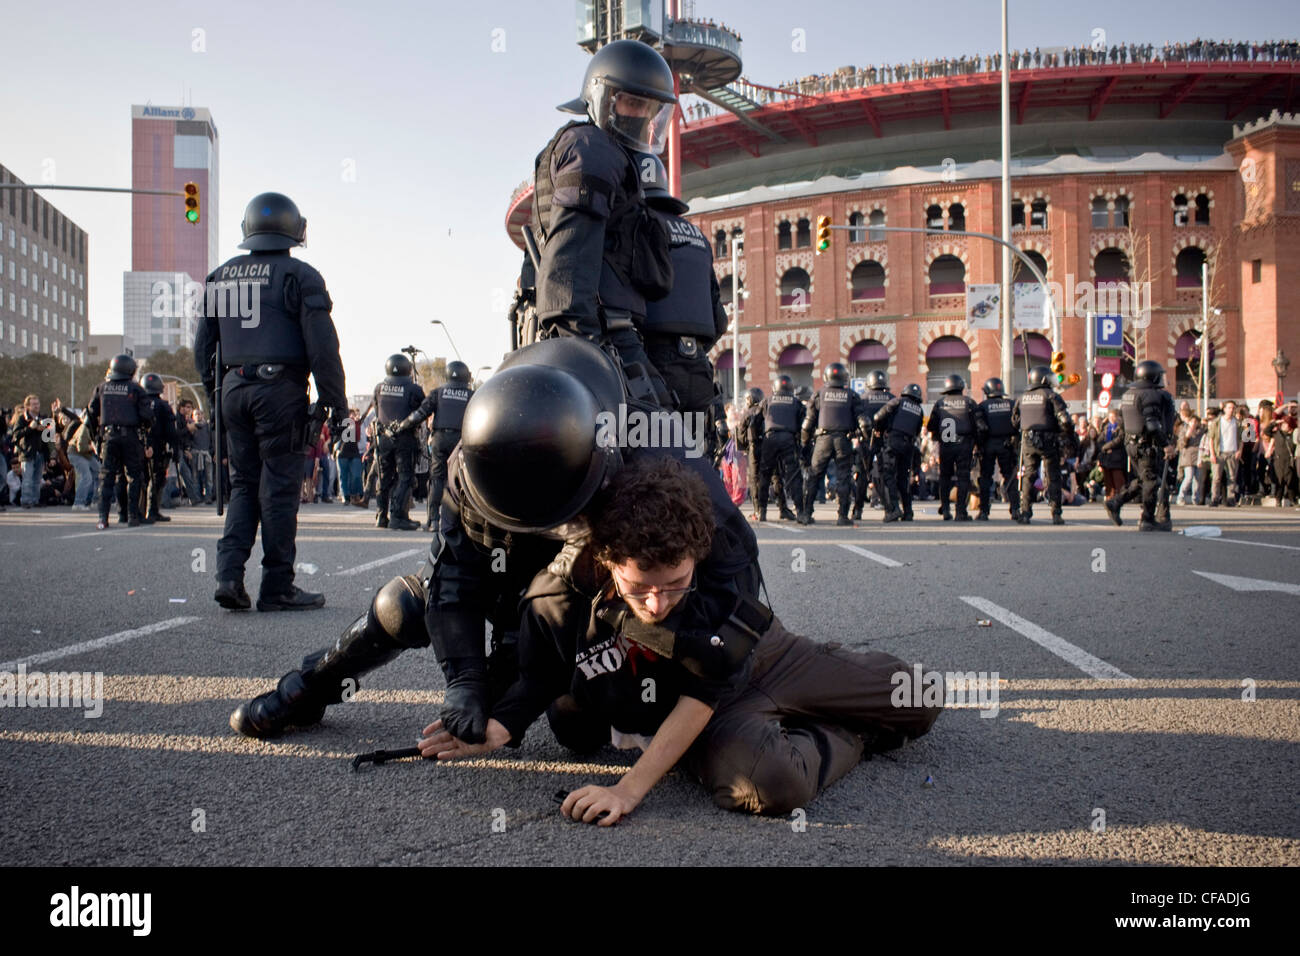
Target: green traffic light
pixel 823 245
pixel 192 215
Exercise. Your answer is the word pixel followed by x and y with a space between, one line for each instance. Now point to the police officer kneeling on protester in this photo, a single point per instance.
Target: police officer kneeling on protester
pixel 118 411
pixel 446 404
pixel 603 253
pixel 396 399
pixel 782 413
pixel 834 414
pixel 265 421
pixel 998 447
pixel 1147 414
pixel 900 420
pixel 956 424
pixel 161 439
pixel 1046 436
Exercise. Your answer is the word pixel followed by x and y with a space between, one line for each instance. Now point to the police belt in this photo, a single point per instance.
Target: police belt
pixel 272 372
pixel 688 346
pixel 120 430
pixel 837 432
pixel 616 320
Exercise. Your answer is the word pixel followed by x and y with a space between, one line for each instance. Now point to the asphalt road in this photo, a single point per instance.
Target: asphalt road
pixel 1123 730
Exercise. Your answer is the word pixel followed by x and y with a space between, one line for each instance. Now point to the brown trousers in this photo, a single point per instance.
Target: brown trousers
pixel 798 725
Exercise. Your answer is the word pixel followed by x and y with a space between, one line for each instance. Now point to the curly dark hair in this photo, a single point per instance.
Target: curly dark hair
pixel 654 512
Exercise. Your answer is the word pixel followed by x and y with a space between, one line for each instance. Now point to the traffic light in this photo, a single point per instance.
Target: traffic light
pixel 1058 366
pixel 192 202
pixel 1072 379
pixel 823 234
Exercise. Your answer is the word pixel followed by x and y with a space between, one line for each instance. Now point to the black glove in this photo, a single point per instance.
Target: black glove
pixel 465 713
pixel 402 427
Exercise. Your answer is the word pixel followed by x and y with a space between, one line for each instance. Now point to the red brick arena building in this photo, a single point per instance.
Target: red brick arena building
pixel 1128 171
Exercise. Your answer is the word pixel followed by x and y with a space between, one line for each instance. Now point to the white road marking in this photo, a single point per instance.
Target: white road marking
pixel 379 562
pixel 1249 584
pixel 84 534
pixel 764 525
pixel 1090 665
pixel 118 638
pixel 880 558
pixel 1259 544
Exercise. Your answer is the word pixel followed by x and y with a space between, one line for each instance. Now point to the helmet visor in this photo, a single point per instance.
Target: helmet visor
pixel 638 121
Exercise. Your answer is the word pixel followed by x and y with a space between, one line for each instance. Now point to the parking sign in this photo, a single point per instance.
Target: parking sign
pixel 1110 331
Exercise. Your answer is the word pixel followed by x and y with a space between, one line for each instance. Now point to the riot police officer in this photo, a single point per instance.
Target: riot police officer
pixel 446 404
pixel 117 411
pixel 396 399
pixel 270 313
pixel 603 254
pixel 161 438
pixel 749 439
pixel 782 413
pixel 956 422
pixel 1147 414
pixel 867 459
pixel 1046 432
pixel 834 414
pixel 998 447
pixel 900 421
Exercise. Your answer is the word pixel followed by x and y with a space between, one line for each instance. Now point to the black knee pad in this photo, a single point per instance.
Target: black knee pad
pixel 399 610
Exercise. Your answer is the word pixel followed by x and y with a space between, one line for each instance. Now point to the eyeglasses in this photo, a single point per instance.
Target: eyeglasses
pixel 640 597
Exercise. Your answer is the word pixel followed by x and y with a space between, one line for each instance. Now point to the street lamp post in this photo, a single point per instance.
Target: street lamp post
pixel 449 339
pixel 72 374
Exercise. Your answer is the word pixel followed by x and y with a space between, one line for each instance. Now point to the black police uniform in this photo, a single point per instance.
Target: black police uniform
pixel 955 422
pixel 162 438
pixel 603 253
pixel 1148 415
pixel 900 419
pixel 395 398
pixel 749 438
pixel 867 458
pixel 998 447
pixel 446 404
pixel 1043 420
pixel 833 415
pixel 782 413
pixel 264 402
pixel 118 410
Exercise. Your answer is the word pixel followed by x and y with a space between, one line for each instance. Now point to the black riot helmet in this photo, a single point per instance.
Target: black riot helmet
pixel 877 380
pixel 993 388
pixel 272 221
pixel 753 397
pixel 153 383
pixel 458 372
pixel 954 384
pixel 654 183
pixel 804 393
pixel 785 384
pixel 121 369
pixel 540 416
pixel 1040 376
pixel 912 391
pixel 628 92
pixel 836 374
pixel 398 366
pixel 1149 371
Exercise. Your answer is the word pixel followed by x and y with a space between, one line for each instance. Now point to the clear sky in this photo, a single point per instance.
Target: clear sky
pixel 438 108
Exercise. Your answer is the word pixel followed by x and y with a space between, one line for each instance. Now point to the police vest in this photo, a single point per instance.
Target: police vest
pixel 907 417
pixel 119 403
pixel 955 408
pixel 836 412
pixel 395 398
pixel 781 413
pixel 875 399
pixel 1143 408
pixel 257 302
pixel 451 406
pixel 998 413
pixel 1037 412
pixel 688 308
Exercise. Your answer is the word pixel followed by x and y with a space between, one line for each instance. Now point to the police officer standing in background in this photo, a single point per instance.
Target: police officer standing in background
pixel 266 359
pixel 1147 413
pixel 749 439
pixel 161 438
pixel 782 413
pixel 603 254
pixel 1043 420
pixel 396 399
pixel 955 422
pixel 997 447
pixel 446 404
pixel 833 415
pixel 877 396
pixel 900 420
pixel 117 411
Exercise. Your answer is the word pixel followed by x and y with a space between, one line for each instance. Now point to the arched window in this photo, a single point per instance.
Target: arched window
pixel 1100 216
pixel 934 217
pixel 947 276
pixel 803 239
pixel 1121 212
pixel 957 217
pixel 1038 214
pixel 1202 210
pixel 877 218
pixel 722 375
pixel 1040 353
pixel 797 362
pixel 856 232
pixel 1020 272
pixel 1017 214
pixel 868 281
pixel 1187 268
pixel 1180 210
pixel 1187 376
pixel 783 238
pixel 868 356
pixel 720 244
pixel 794 289
pixel 1111 265
pixel 945 356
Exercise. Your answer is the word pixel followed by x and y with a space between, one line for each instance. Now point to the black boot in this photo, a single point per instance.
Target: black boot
pixel 294 599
